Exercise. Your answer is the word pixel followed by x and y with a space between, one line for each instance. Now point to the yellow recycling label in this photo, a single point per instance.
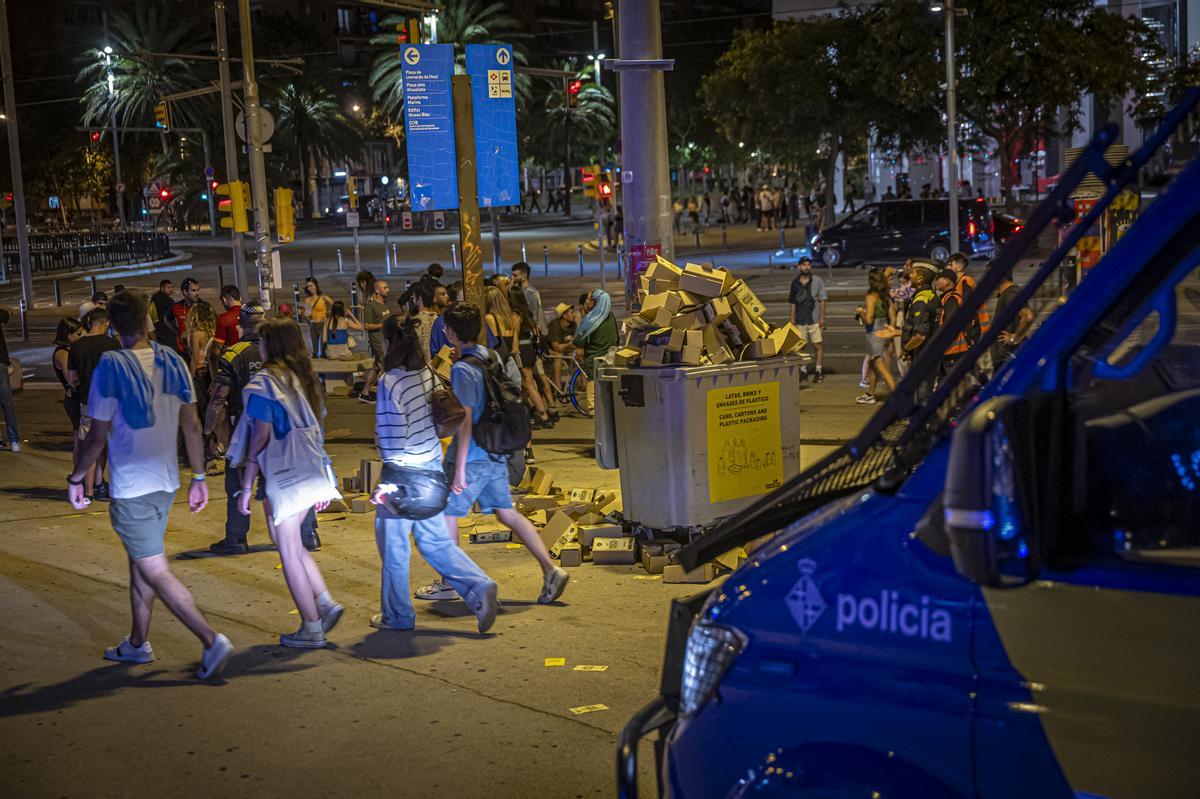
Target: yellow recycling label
pixel 745 448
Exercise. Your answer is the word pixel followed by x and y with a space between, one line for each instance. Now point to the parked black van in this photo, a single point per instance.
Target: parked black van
pixel 897 229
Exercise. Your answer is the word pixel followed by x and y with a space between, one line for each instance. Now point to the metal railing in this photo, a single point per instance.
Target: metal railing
pixel 65 252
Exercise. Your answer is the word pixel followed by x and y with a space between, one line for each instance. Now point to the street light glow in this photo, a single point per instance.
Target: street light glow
pixel 108 49
pixel 357 108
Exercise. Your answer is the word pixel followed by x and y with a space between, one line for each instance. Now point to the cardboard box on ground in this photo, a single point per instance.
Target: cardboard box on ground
pixel 710 301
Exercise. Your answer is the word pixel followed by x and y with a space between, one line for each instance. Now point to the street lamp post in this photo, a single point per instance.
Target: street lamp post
pixel 951 121
pixel 108 51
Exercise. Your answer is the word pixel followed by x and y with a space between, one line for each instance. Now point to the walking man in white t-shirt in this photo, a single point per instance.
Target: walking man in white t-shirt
pixel 139 397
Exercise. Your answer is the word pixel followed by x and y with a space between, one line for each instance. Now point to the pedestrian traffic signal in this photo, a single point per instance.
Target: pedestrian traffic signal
pixel 162 116
pixel 285 219
pixel 164 194
pixel 352 192
pixel 95 136
pixel 573 89
pixel 604 186
pixel 235 207
pixel 591 176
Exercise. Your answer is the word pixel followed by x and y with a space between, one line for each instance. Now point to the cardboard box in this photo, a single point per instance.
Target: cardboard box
pixel 627 356
pixel 666 337
pixel 690 356
pixel 541 482
pixel 658 285
pixel 721 355
pixel 582 495
pixel 442 362
pixel 707 281
pixel 588 533
pixel 654 561
pixel 674 573
pixel 370 471
pixel 569 537
pixel 570 555
pixel 611 503
pixel 614 551
pixel 717 310
pixel 752 326
pixel 663 269
pixel 558 525
pixel 491 534
pixel 694 338
pixel 526 480
pixel 361 504
pixel 763 348
pixel 350 485
pixel 537 517
pixel 531 502
pixel 787 338
pixel 654 304
pixel 654 356
pixel 689 320
pixel 743 295
pixel 732 559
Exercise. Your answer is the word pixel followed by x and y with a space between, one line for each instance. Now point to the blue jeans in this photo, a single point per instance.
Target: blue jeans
pixel 444 555
pixel 6 404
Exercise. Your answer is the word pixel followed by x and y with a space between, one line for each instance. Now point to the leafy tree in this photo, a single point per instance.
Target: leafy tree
pixel 1026 68
pixel 311 124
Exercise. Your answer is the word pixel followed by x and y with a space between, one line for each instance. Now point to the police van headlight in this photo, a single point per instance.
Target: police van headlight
pixel 711 650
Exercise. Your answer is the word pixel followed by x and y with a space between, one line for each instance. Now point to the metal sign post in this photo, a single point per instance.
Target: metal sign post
pixel 469 238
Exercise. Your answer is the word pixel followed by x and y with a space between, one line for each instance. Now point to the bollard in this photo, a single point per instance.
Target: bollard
pixel 354 300
pixel 697 232
pixel 310 266
pixel 523 252
pixel 454 255
pixel 395 263
pixel 581 260
pixel 621 260
pixel 600 250
pixel 92 278
pixel 57 293
pixel 782 238
pixel 546 260
pixel 770 260
pixel 357 257
pixel 724 235
pixel 296 302
pixel 220 277
pixel 339 254
pixel 24 326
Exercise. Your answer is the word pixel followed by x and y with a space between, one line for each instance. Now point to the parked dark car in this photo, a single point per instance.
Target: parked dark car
pixel 1005 226
pixel 897 229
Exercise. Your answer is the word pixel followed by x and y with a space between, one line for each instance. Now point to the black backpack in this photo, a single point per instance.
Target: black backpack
pixel 504 427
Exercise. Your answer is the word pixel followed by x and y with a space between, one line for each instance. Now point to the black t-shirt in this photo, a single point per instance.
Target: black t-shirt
pixel 3 344
pixel 163 330
pixel 559 333
pixel 237 365
pixel 1003 351
pixel 83 357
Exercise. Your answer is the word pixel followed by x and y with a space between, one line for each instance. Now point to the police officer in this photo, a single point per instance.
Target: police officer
pixel 951 300
pixel 920 318
pixel 238 363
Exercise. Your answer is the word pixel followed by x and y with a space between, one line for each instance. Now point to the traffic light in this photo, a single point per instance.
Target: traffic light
pixel 574 87
pixel 591 178
pixel 164 195
pixel 352 192
pixel 285 222
pixel 162 116
pixel 235 207
pixel 604 186
pixel 409 31
pixel 95 136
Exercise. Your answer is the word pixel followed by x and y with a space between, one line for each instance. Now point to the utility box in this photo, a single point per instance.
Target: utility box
pixel 695 444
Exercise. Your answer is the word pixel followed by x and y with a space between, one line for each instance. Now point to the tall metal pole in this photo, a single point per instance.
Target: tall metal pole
pixel 227 125
pixel 646 187
pixel 14 157
pixel 120 195
pixel 212 203
pixel 469 237
pixel 258 169
pixel 952 127
pixel 495 220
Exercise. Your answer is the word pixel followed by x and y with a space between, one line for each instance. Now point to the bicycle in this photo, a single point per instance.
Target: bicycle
pixel 575 386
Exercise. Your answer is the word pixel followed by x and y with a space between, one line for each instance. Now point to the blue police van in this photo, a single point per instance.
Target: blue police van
pixel 992 592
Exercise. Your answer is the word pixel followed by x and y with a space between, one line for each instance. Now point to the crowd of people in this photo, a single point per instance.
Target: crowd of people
pixel 900 312
pixel 150 382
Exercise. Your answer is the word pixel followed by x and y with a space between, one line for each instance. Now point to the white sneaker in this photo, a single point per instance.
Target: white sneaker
pixel 331 614
pixel 437 590
pixel 214 657
pixel 863 384
pixel 865 399
pixel 380 623
pixel 303 639
pixel 15 446
pixel 554 585
pixel 126 652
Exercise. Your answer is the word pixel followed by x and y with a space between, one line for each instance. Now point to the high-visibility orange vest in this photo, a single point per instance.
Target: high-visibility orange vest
pixel 983 317
pixel 960 343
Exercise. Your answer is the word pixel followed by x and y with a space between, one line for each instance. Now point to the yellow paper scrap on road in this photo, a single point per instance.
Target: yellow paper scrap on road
pixel 278 565
pixel 293 612
pixel 579 711
pixel 582 667
pixel 556 661
pixel 511 545
pixel 647 577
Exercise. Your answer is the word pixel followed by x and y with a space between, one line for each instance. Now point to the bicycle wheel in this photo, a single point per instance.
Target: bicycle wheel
pixel 572 387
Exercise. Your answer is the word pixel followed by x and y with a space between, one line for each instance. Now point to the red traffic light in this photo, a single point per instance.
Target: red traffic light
pixel 164 193
pixel 575 86
pixel 605 190
pixel 387 219
pixel 95 136
pixel 708 170
pixel 214 184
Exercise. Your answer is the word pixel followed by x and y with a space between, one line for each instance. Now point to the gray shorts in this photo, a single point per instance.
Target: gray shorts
pixel 141 522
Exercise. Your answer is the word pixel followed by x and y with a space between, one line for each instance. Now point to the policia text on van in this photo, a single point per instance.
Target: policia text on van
pixel 993 593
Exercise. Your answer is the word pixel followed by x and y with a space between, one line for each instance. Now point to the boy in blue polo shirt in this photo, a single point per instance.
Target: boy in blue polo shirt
pixel 479 476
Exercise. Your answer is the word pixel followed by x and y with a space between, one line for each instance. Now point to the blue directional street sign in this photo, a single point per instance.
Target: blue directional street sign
pixel 429 125
pixel 492 87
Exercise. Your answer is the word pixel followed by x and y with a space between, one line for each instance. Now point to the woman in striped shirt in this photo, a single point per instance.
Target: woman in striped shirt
pixel 407 439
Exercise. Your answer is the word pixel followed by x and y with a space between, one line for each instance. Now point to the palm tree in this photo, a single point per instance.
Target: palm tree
pixel 461 22
pixel 593 119
pixel 311 123
pixel 140 81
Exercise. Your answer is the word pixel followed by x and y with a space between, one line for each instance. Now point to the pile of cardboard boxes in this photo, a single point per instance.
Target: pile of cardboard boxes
pixel 699 315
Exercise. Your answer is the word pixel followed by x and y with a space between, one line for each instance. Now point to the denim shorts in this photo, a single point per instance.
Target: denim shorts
pixel 487 484
pixel 141 522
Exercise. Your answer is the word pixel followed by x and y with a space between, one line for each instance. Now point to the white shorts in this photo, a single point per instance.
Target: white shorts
pixel 812 333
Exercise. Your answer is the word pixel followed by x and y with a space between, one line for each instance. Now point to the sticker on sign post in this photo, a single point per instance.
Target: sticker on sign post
pixel 406 220
pixel 352 219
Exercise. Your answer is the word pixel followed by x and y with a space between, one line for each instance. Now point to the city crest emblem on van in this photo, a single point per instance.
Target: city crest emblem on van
pixel 804 600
